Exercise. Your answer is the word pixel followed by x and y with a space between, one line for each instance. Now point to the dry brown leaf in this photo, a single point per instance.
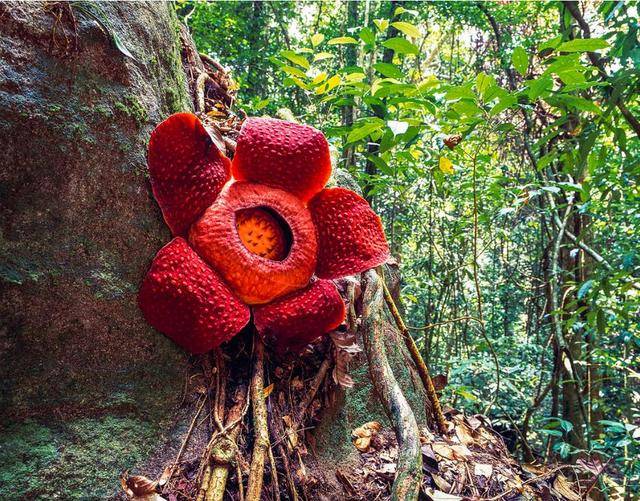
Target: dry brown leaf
pixel 344 349
pixel 483 470
pixel 140 488
pixel 534 468
pixel 292 436
pixel 563 487
pixel 166 475
pixel 461 451
pixel 464 434
pixel 443 450
pixel 439 382
pixel 267 391
pixel 363 435
pixel 473 422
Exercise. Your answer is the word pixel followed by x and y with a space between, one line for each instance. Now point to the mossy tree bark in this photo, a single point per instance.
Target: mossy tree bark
pixel 87 386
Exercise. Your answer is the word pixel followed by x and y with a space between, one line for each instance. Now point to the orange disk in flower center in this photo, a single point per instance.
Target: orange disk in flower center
pixel 262 233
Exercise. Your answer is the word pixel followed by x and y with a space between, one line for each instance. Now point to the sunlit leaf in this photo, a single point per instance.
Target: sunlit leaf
pixel 520 60
pixel 400 45
pixel 445 165
pixel 582 45
pixel 321 56
pixel 362 132
pixel 388 70
pixel 317 39
pixel 295 58
pixel 407 28
pixel 381 24
pixel 342 41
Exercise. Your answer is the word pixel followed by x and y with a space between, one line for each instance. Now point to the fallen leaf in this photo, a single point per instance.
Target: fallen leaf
pixel 363 435
pixel 437 495
pixel 267 391
pixel 439 382
pixel 563 487
pixel 473 422
pixel 464 434
pixel 484 470
pixel 139 488
pixel 345 348
pixel 443 450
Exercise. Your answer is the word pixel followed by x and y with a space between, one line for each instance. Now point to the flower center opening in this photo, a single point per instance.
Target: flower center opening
pixel 264 232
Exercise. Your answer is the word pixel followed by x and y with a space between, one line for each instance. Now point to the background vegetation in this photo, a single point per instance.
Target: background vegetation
pixel 500 143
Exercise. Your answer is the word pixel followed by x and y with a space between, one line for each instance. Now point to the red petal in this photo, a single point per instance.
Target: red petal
pixel 256 279
pixel 350 234
pixel 187 170
pixel 283 154
pixel 294 321
pixel 186 300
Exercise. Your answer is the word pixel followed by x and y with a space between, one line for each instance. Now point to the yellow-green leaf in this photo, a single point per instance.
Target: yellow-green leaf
pixel 381 24
pixel 333 82
pixel 408 29
pixel 319 78
pixel 445 165
pixel 342 41
pixel 317 39
pixel 321 56
pixel 296 58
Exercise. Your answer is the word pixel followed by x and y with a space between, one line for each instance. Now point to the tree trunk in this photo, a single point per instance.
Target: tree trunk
pixel 87 385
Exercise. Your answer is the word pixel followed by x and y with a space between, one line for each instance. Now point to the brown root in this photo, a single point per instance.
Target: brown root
pixel 260 430
pixel 408 477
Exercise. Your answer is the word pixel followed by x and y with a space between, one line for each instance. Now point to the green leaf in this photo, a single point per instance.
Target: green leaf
pixel 317 39
pixel 520 60
pixel 571 76
pixel 401 46
pixel 362 132
pixel 467 108
pixel 295 58
pixel 483 82
pixel 538 86
pixel 261 104
pixel 388 70
pixel 407 28
pixel 367 36
pixel 582 45
pixel 342 41
pixel 550 44
pixel 504 103
pixel 459 92
pixel 290 70
pixel 579 103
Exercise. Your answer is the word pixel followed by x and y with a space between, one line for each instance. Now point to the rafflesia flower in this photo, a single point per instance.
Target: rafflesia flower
pixel 259 236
